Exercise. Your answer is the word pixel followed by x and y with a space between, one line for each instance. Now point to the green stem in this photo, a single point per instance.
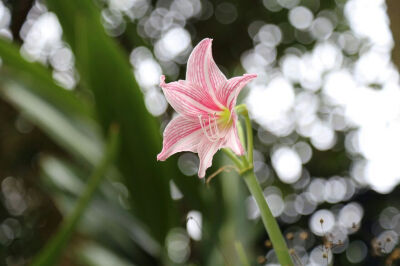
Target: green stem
pixel 242 109
pixel 269 221
pixel 52 250
pixel 275 235
pixel 241 138
pixel 241 133
pixel 233 157
pixel 249 131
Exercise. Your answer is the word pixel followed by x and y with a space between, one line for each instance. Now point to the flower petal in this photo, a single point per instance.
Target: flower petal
pixel 206 150
pixel 202 70
pixel 181 134
pixel 232 140
pixel 229 93
pixel 187 99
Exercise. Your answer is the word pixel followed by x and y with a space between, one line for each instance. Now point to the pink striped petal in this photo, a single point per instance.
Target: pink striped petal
pixel 229 93
pixel 202 70
pixel 233 141
pixel 206 150
pixel 187 99
pixel 199 100
pixel 181 134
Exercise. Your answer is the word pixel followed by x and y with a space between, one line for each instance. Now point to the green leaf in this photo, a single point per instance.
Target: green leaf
pixel 62 128
pixel 104 68
pixel 91 254
pixel 244 261
pixel 108 210
pixel 52 250
pixel 38 79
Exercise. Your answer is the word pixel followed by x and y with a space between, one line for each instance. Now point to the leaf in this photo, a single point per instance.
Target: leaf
pixel 95 255
pixel 38 80
pixel 62 128
pixel 106 211
pixel 104 68
pixel 50 253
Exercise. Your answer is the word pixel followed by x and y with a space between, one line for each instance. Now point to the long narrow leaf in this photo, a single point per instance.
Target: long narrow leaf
pixel 63 178
pixel 38 79
pixel 104 68
pixel 52 250
pixel 92 254
pixel 55 123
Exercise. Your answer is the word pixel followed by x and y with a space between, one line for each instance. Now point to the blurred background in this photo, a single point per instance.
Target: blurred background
pixel 326 121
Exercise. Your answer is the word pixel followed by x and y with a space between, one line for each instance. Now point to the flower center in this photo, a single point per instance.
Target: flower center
pixel 225 118
pixel 214 125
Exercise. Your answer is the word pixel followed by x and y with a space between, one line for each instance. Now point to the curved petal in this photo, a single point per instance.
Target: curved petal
pixel 187 98
pixel 232 140
pixel 229 93
pixel 181 134
pixel 202 70
pixel 206 150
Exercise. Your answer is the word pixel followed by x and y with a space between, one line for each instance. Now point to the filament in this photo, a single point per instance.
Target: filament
pixel 211 130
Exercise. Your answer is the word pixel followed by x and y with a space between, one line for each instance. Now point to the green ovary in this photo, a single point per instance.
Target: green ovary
pixel 224 118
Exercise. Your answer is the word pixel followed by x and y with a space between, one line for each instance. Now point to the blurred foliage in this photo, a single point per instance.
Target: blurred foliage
pixel 52 137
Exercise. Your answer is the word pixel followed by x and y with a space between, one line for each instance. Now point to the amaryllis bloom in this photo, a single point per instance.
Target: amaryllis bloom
pixel 205 102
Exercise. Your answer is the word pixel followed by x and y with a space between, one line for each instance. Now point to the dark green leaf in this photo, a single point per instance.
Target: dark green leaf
pixel 53 248
pixel 60 127
pixel 104 68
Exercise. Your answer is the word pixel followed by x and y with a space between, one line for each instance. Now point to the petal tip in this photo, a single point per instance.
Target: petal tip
pixel 160 157
pixel 201 175
pixel 251 76
pixel 162 80
pixel 207 42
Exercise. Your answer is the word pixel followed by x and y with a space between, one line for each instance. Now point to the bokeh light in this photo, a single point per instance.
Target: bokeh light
pixel 326 97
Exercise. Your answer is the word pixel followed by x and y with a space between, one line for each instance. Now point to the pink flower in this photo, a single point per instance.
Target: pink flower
pixel 205 103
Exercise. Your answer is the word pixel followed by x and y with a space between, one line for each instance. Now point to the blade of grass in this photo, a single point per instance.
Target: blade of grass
pixel 244 261
pixel 61 128
pixel 94 254
pixel 106 211
pixel 52 250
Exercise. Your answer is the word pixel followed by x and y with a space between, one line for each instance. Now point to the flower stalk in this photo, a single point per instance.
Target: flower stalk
pixel 246 171
pixel 268 219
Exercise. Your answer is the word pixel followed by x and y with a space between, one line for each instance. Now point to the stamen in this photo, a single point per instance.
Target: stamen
pixel 216 127
pixel 209 125
pixel 203 127
pixel 212 134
